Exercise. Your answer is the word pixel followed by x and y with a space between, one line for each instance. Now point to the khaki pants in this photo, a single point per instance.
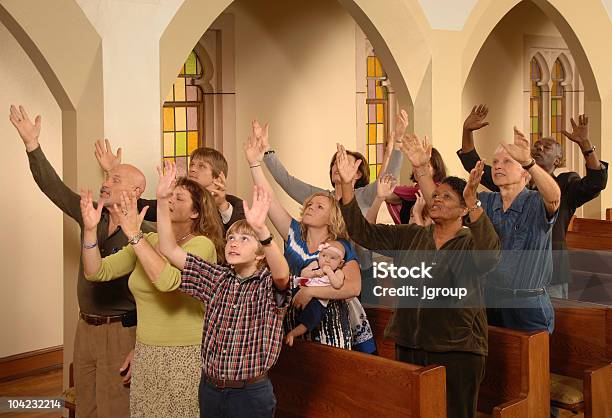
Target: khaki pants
pixel 99 353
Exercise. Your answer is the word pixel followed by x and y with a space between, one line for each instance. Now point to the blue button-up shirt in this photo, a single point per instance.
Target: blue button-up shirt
pixel 525 231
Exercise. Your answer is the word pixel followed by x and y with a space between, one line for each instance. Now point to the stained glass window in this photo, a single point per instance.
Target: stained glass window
pixel 557 102
pixel 377 104
pixel 183 119
pixel 535 101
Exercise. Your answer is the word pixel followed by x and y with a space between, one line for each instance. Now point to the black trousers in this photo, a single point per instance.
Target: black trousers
pixel 464 373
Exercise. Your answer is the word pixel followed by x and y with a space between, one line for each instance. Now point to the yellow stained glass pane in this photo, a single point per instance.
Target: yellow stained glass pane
pixel 371 66
pixel 182 69
pixel 192 141
pixel 380 133
pixel 180 114
pixel 553 124
pixel 554 107
pixel 170 96
pixel 372 173
pixel 534 107
pixel 380 113
pixel 379 70
pixel 372 153
pixel 371 133
pixel 190 64
pixel 379 92
pixel 179 89
pixel 378 167
pixel 168 144
pixel 168 119
pixel 181 144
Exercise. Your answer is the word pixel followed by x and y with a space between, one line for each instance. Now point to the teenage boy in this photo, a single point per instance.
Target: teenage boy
pixel 246 302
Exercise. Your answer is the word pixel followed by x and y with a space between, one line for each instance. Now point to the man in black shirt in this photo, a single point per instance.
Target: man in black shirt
pixel 548 154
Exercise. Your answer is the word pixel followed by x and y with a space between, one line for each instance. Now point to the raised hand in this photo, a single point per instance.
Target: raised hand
pixel 520 150
pixel 469 192
pixel 261 134
pixel 91 216
pixel 385 186
pixel 346 169
pixel 475 119
pixel 580 132
pixel 218 190
pixel 417 151
pixel 27 130
pixel 105 156
pixel 256 214
pixel 129 218
pixel 419 203
pixel 167 180
pixel 254 147
pixel 401 124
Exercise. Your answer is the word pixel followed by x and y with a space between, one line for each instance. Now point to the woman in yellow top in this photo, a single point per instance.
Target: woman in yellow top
pixel 167 363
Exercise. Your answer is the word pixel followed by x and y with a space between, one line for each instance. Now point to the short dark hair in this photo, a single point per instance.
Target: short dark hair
pixel 364 169
pixel 457 184
pixel 438 166
pixel 213 157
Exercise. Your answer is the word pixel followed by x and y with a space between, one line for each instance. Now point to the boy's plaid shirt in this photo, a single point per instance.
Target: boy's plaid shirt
pixel 243 328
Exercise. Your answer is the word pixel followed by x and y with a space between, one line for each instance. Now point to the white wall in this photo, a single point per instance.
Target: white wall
pixel 31 247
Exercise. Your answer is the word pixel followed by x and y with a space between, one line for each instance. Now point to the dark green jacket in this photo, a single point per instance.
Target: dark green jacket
pixel 462 261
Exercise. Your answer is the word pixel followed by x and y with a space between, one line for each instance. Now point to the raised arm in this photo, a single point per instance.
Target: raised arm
pixel 467 154
pixel 297 189
pixel 419 154
pixel 104 154
pixel 547 186
pixel 44 175
pixel 582 190
pixel 384 189
pixel 167 242
pixel 253 148
pixel 92 261
pixel 256 217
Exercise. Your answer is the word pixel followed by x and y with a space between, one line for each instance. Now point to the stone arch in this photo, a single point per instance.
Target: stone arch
pixel 386 27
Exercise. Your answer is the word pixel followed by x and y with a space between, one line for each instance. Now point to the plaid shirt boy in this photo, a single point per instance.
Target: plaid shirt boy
pixel 244 318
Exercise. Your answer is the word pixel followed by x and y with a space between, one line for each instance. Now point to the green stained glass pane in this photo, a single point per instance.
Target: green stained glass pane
pixel 554 107
pixel 534 125
pixel 372 173
pixel 181 143
pixel 191 64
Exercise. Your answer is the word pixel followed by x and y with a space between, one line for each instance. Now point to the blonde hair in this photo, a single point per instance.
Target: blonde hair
pixel 336 229
pixel 242 227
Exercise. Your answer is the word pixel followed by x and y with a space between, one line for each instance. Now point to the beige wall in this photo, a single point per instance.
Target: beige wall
pixel 497 75
pixel 295 68
pixel 31 288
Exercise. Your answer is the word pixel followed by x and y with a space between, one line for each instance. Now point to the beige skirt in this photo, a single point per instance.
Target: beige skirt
pixel 165 381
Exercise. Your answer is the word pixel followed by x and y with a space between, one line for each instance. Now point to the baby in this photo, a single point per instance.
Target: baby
pixel 325 271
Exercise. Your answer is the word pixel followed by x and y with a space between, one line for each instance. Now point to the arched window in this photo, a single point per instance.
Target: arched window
pixel 377 104
pixel 557 102
pixel 535 101
pixel 183 122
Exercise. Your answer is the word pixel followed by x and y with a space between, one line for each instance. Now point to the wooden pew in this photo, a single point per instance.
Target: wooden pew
pixel 588 241
pixel 609 214
pixel 516 382
pixel 591 226
pixel 315 380
pixel 581 348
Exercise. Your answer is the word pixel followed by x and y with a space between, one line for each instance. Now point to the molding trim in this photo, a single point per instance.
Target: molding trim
pixel 31 363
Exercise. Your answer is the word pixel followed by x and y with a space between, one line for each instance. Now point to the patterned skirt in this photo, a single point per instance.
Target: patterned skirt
pixel 165 381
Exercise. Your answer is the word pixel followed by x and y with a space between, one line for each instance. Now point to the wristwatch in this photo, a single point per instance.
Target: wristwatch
pixel 136 238
pixel 478 205
pixel 531 164
pixel 270 151
pixel 267 241
pixel 590 150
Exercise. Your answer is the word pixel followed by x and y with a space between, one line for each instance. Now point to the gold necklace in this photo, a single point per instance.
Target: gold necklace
pixel 183 238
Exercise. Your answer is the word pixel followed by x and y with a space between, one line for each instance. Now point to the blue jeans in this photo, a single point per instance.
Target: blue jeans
pixel 255 400
pixel 535 313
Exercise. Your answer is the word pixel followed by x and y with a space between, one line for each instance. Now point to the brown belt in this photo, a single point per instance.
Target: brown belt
pixel 99 319
pixel 234 384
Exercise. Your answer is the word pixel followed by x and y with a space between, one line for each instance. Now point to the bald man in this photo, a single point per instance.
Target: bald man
pixel 106 330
